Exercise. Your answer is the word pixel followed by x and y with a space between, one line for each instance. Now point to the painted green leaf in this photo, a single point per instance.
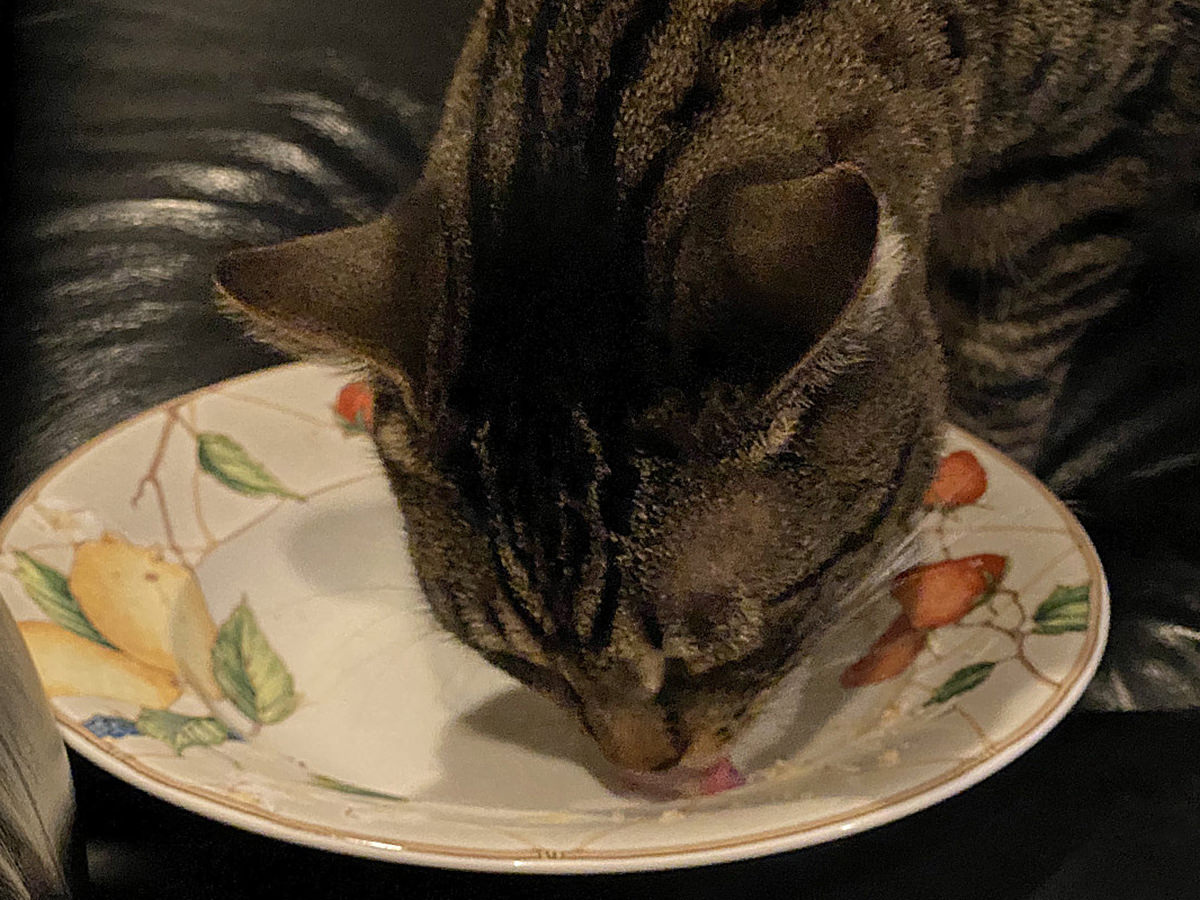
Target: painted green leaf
pixel 336 784
pixel 249 672
pixel 1066 609
pixel 227 461
pixel 180 732
pixel 961 681
pixel 48 588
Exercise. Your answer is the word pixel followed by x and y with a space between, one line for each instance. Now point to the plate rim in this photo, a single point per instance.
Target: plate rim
pixel 230 811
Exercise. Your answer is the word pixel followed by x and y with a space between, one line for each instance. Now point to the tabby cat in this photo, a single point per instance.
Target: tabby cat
pixel 662 338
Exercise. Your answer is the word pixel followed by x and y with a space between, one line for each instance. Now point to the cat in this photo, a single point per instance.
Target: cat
pixel 663 338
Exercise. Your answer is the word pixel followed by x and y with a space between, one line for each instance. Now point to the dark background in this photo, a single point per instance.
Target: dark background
pixel 152 137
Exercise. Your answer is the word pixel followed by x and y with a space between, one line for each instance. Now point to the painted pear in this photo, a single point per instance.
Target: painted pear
pixel 152 609
pixel 73 666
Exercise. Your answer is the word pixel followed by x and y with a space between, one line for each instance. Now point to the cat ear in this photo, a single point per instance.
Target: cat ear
pixel 766 269
pixel 365 293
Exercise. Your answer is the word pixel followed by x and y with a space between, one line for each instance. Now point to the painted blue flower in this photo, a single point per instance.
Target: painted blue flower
pixel 110 726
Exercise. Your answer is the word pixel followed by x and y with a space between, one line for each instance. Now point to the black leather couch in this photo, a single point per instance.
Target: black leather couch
pixel 153 135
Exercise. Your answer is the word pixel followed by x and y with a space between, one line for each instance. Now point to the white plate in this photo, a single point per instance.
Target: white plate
pixel 392 741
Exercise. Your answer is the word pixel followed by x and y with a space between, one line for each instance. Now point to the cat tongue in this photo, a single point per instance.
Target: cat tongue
pixel 721 776
pixel 683 781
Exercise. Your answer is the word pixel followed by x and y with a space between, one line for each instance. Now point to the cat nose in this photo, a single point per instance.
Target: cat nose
pixel 638 739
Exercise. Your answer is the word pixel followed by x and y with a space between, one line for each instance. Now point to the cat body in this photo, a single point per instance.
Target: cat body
pixel 663 338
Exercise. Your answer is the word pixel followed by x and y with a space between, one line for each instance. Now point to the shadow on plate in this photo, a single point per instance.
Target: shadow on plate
pixel 485 755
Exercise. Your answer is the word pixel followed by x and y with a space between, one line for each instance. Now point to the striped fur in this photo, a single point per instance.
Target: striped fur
pixel 653 438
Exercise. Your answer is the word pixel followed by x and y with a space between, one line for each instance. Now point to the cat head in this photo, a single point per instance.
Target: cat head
pixel 653 561
pixel 648 431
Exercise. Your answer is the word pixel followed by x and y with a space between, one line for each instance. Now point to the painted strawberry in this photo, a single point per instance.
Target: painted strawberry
pixel 355 407
pixel 941 593
pixel 891 654
pixel 960 480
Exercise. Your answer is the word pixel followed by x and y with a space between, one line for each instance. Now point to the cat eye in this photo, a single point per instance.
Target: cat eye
pixel 674 680
pixel 537 677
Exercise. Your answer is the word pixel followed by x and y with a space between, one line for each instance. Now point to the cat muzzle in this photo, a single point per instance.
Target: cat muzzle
pixel 635 739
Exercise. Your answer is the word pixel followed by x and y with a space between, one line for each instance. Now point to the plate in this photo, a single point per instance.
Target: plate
pixel 219 600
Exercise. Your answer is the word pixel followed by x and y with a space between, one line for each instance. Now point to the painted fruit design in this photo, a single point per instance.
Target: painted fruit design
pixel 942 593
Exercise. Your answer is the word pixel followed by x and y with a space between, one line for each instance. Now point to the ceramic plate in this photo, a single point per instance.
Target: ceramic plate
pixel 218 598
